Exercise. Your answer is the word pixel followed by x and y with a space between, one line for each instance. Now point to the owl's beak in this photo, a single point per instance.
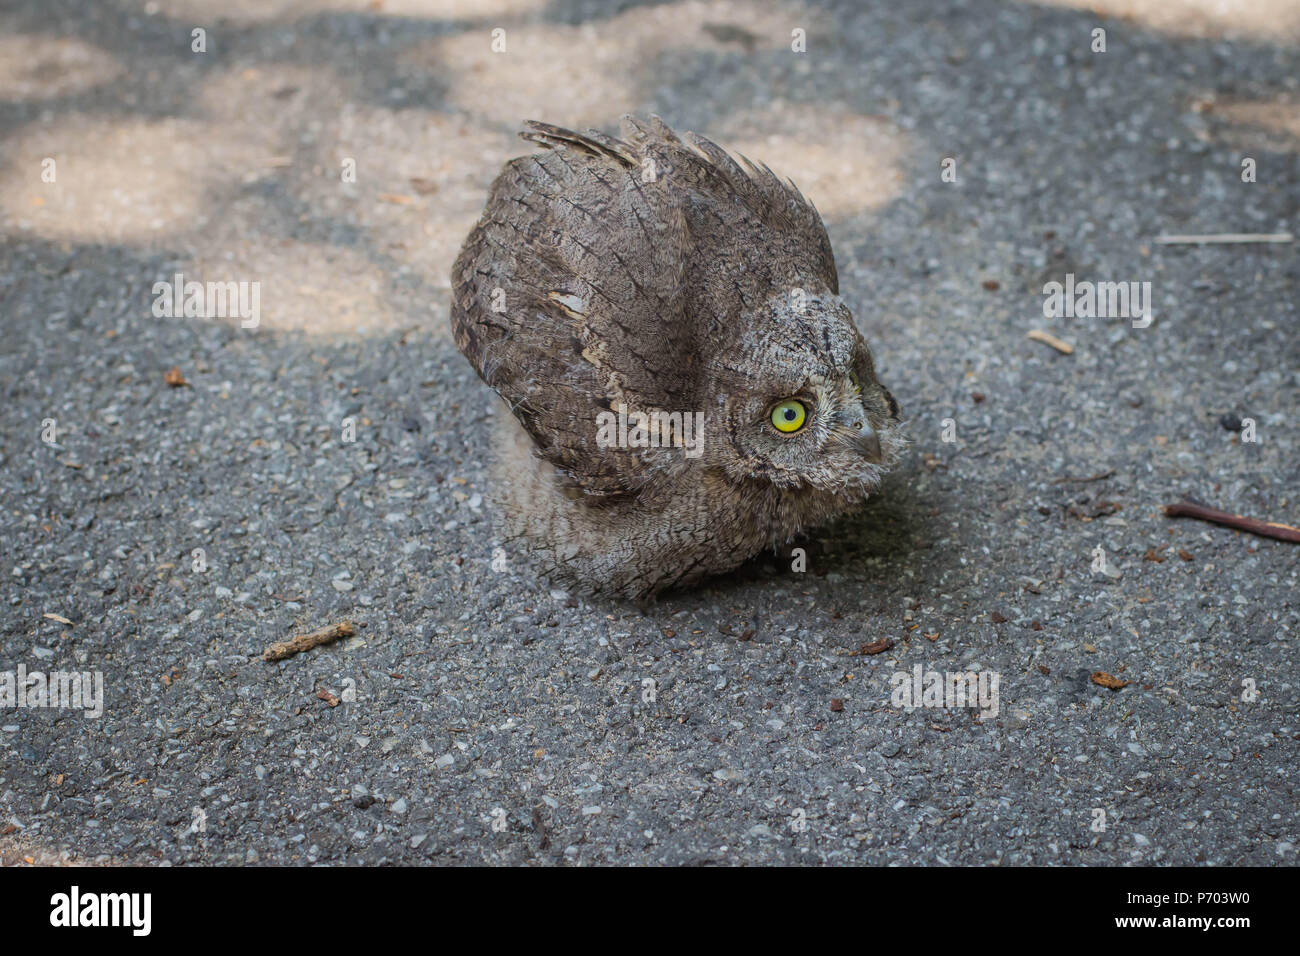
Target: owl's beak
pixel 858 435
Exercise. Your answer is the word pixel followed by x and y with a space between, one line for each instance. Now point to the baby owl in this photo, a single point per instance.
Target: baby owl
pixel 684 385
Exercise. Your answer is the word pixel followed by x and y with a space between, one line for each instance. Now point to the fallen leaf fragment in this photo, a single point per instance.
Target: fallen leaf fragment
pixel 1102 679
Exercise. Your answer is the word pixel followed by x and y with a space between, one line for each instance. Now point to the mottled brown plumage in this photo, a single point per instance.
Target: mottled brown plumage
pixel 654 273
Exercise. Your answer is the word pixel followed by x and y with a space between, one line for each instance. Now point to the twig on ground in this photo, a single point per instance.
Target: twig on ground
pixel 1225 237
pixel 1038 335
pixel 305 642
pixel 1070 480
pixel 1267 529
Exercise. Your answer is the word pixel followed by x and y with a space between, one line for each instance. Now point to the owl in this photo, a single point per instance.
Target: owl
pixel 682 384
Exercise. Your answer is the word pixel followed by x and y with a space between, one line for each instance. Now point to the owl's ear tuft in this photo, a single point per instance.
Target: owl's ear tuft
pixel 893 405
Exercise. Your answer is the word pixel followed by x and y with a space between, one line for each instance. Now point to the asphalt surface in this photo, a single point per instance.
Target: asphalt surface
pixel 479 715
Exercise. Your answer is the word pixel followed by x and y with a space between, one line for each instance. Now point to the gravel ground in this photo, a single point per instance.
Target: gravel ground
pixel 479 715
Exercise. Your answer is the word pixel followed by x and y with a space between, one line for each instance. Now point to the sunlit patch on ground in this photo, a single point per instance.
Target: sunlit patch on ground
pixel 309 287
pixel 1269 124
pixel 266 11
pixel 845 163
pixel 120 180
pixel 1271 20
pixel 36 68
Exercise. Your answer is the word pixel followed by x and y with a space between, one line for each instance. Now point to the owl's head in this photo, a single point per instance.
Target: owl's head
pixel 799 402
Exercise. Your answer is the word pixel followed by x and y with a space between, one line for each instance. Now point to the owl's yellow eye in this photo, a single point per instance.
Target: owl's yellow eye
pixel 789 416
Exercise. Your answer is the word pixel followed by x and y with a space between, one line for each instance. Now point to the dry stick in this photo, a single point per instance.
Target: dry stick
pixel 1097 477
pixel 305 642
pixel 1268 529
pixel 1038 335
pixel 1224 237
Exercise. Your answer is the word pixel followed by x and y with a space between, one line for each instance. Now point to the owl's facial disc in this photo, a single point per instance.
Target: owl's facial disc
pixel 814 417
pixel 822 433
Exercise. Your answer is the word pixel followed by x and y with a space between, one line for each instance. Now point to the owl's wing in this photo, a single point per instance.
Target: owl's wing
pixel 568 302
pixel 570 295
